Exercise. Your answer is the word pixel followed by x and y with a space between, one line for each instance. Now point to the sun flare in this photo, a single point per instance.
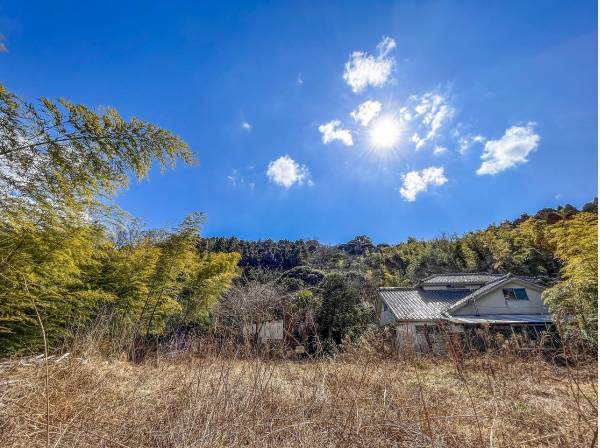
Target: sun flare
pixel 385 133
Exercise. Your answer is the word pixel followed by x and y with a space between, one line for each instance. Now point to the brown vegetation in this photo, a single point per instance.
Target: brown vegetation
pixel 205 398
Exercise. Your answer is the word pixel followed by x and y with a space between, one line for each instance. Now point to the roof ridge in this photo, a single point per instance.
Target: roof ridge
pixel 460 277
pixel 465 273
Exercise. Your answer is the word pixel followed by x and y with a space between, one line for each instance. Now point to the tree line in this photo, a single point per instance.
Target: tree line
pixel 554 247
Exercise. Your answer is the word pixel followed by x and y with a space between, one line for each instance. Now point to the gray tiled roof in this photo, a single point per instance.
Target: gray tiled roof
pixel 419 304
pixel 467 278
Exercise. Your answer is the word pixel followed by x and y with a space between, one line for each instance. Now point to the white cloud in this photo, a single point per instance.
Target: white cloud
pixel 363 69
pixel 286 172
pixel 386 45
pixel 405 114
pixel 299 79
pixel 465 143
pixel 333 131
pixel 416 182
pixel 366 112
pixel 434 111
pixel 417 140
pixel 439 150
pixel 242 177
pixel 246 126
pixel 511 150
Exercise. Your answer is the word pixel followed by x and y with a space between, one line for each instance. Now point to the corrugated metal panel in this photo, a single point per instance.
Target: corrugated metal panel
pixel 418 304
pixel 503 319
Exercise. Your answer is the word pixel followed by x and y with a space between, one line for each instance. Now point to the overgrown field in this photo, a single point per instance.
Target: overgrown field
pixel 352 400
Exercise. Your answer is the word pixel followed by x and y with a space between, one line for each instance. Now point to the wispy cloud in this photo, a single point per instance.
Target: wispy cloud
pixel 363 70
pixel 286 172
pixel 246 126
pixel 366 111
pixel 466 142
pixel 416 182
pixel 440 150
pixel 333 131
pixel 299 79
pixel 242 177
pixel 433 110
pixel 386 45
pixel 511 150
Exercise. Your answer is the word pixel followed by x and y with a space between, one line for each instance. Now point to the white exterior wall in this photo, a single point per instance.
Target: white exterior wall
pixel 495 303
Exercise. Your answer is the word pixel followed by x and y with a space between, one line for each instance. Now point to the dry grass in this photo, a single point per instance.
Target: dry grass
pixel 350 401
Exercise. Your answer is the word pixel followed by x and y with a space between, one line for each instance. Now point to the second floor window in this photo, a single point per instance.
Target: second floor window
pixel 515 294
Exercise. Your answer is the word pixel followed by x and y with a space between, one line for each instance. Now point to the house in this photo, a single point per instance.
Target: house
pixel 459 303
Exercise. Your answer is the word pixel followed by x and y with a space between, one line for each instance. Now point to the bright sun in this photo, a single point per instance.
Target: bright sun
pixel 385 133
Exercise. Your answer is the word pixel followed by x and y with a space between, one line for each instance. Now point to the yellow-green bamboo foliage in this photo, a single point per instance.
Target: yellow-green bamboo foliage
pixel 75 274
pixel 64 154
pixel 45 263
pixel 575 299
pixel 157 280
pixel 60 163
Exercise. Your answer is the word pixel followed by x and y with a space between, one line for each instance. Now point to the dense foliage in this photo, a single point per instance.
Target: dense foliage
pixel 65 257
pixel 575 298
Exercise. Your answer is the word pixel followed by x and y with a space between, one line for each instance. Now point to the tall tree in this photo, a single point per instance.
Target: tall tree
pixel 342 313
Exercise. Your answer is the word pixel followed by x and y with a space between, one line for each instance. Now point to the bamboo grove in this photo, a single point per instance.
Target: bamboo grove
pixel 68 255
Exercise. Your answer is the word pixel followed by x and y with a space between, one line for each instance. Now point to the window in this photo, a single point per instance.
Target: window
pixel 385 307
pixel 515 294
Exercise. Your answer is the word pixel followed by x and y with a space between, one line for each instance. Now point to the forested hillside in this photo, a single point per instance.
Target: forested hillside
pixel 521 246
pixel 555 247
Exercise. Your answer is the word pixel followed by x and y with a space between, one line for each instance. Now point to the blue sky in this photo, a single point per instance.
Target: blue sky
pixel 332 120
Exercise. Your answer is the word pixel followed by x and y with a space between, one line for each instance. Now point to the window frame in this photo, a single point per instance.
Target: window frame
pixel 511 294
